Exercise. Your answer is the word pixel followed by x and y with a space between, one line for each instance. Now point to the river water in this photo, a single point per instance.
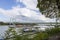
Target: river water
pixel 2 30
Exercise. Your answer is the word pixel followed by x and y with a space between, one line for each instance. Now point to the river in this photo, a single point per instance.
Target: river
pixel 2 30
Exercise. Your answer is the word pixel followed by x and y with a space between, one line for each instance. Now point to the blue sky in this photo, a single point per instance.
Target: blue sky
pixel 7 4
pixel 13 8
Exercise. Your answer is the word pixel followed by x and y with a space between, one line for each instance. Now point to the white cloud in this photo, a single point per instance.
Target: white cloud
pixel 29 3
pixel 22 11
pixel 32 14
pixel 12 12
pixel 25 11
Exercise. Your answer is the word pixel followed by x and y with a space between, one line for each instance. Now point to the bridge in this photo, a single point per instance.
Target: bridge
pixel 42 23
pixel 50 23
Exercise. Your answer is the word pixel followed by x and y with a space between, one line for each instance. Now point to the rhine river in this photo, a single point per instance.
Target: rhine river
pixel 2 30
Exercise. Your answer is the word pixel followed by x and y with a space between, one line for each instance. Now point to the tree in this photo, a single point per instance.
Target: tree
pixel 50 8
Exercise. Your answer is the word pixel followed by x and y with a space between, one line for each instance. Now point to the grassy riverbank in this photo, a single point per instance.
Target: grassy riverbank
pixel 43 35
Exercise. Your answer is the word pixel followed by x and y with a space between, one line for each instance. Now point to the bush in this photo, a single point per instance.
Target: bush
pixel 53 31
pixel 41 36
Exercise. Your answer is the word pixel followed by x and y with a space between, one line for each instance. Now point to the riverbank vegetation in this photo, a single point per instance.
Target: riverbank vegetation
pixel 16 23
pixel 11 34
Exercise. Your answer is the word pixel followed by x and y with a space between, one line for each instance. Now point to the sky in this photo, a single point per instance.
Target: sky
pixel 14 9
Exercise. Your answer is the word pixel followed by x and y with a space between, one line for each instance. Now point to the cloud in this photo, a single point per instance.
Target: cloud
pixel 28 11
pixel 15 11
pixel 12 12
pixel 29 3
pixel 32 14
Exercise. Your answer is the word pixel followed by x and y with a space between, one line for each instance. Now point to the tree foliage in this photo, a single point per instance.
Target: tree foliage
pixel 50 8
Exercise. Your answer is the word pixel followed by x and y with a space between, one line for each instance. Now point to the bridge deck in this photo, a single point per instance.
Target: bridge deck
pixel 50 23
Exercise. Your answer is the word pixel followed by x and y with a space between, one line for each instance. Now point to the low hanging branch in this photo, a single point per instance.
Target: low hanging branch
pixel 58 4
pixel 49 8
